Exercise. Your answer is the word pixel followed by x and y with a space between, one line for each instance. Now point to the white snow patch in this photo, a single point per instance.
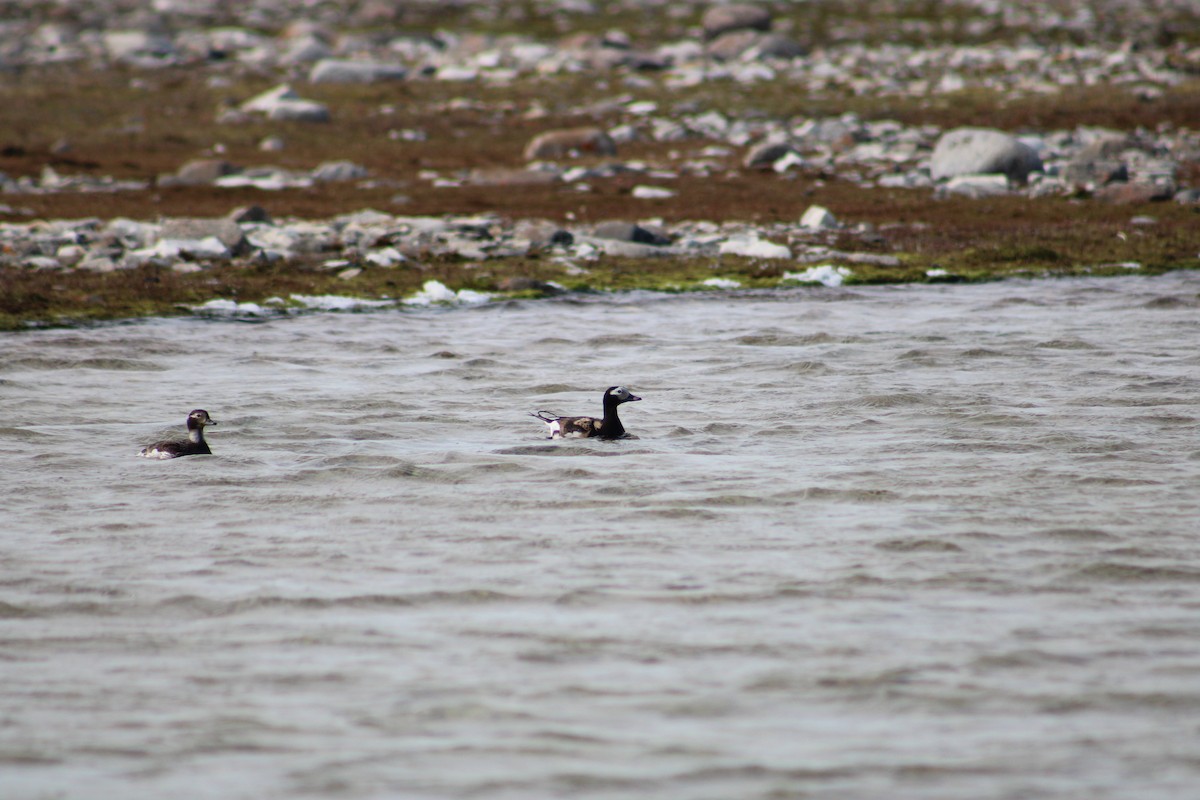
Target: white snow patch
pixel 825 274
pixel 334 302
pixel 230 308
pixel 436 292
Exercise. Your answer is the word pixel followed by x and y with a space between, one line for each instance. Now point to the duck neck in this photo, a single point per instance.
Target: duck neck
pixel 611 427
pixel 195 433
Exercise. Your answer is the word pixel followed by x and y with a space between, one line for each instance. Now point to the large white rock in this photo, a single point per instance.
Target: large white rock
pixel 976 151
pixel 818 218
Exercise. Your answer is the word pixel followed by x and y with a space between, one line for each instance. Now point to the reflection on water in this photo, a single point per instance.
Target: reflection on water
pixel 908 542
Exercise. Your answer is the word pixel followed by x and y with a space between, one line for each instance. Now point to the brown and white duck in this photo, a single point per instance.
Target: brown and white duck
pixel 194 445
pixel 607 427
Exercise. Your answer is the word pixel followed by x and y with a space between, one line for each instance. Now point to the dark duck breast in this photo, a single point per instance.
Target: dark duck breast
pixel 607 427
pixel 194 445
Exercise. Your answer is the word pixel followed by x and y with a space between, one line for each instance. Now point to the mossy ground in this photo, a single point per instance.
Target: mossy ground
pixel 139 125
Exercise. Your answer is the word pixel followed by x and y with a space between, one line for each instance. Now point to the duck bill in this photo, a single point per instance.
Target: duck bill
pixel 632 398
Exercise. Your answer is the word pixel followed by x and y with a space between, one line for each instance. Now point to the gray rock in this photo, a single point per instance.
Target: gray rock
pixel 331 70
pixel 1089 173
pixel 98 264
pixel 204 171
pixel 282 103
pixel 1103 145
pixel 139 47
pixel 765 154
pixel 191 229
pixel 564 142
pixel 730 45
pixel 305 50
pixel 738 16
pixel 974 151
pixel 614 247
pixel 776 45
pixel 541 233
pixel 335 171
pixel 630 232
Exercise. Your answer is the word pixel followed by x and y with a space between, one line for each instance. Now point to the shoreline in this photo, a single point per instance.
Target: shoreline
pixel 239 153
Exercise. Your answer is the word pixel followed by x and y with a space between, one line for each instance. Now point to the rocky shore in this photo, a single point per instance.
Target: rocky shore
pixel 374 136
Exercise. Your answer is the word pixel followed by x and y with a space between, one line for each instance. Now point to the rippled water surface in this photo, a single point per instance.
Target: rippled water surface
pixel 920 542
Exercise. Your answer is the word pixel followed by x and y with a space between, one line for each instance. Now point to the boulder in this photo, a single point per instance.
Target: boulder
pixel 764 154
pixel 737 16
pixel 819 218
pixel 333 70
pixel 137 46
pixel 732 44
pixel 564 142
pixel 541 233
pixel 776 45
pixel 184 232
pixel 1089 173
pixel 630 232
pixel 282 103
pixel 335 171
pixel 974 151
pixel 203 171
pixel 1104 145
pixel 305 50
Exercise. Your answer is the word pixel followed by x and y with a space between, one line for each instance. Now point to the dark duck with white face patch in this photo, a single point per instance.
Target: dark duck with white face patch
pixel 193 446
pixel 608 427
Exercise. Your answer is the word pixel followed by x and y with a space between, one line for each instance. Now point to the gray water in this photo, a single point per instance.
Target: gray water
pixel 903 542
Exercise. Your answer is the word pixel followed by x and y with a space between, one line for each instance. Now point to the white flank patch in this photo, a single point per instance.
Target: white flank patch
pixel 936 273
pixel 437 293
pixel 825 274
pixel 721 283
pixel 753 247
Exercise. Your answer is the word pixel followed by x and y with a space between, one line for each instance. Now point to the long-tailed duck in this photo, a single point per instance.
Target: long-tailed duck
pixel 609 427
pixel 194 446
